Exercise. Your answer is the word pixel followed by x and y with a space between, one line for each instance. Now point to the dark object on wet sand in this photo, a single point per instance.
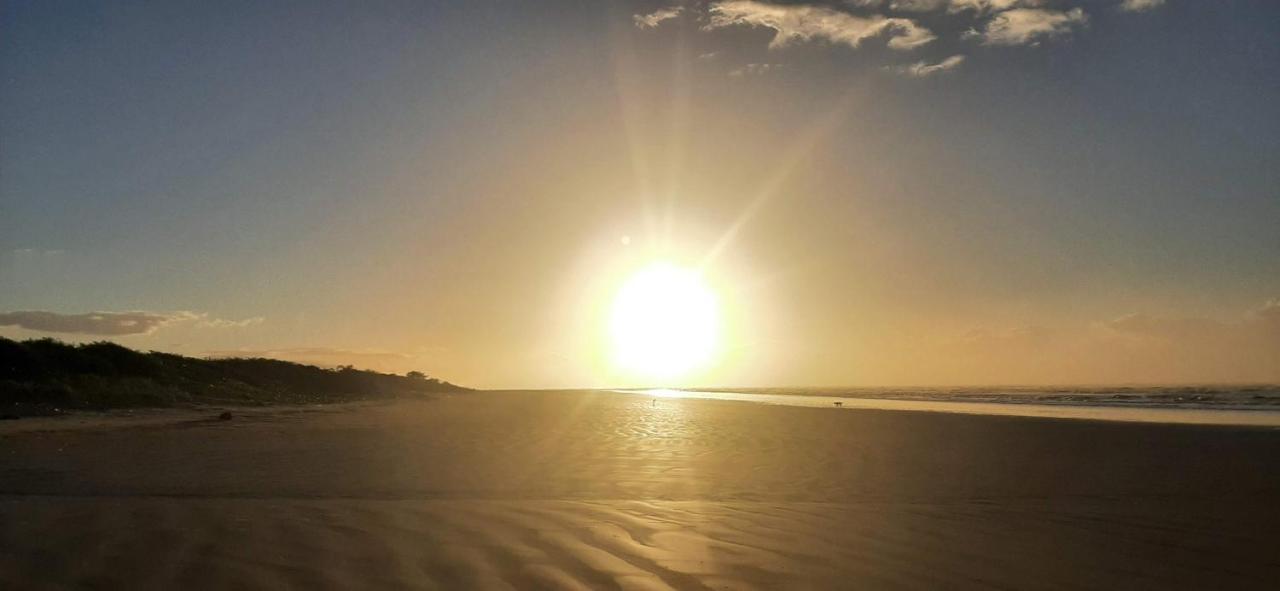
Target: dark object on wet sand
pixel 838 403
pixel 225 416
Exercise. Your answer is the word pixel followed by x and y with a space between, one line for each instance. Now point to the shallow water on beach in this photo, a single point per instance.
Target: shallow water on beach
pixel 1213 405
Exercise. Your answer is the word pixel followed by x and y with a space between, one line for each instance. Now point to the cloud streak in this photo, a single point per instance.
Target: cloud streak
pixel 917 5
pixel 1261 325
pixel 1024 26
pixel 1141 347
pixel 113 323
pixel 204 321
pixel 798 23
pixel 657 17
pixel 753 70
pixel 922 69
pixel 991 6
pixel 324 356
pixel 1140 5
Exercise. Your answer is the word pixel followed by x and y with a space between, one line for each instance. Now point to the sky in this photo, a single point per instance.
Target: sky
pixel 878 192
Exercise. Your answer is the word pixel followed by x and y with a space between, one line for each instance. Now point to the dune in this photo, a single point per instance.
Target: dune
pixel 601 490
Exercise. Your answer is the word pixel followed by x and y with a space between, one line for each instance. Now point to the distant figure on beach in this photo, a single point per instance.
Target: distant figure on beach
pixel 838 403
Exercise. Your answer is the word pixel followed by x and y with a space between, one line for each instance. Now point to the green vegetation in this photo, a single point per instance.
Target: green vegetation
pixel 43 375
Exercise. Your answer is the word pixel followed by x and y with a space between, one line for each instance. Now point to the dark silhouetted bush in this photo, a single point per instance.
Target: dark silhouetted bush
pixel 106 375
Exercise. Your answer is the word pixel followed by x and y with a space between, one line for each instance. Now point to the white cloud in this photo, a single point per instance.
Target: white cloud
pixel 753 70
pixel 1022 26
pixel 978 6
pixel 922 69
pixel 990 22
pixel 917 5
pixel 1140 5
pixel 655 18
pixel 113 323
pixel 798 22
pixel 990 6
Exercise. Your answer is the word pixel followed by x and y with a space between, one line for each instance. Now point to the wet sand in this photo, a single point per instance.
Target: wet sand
pixel 599 490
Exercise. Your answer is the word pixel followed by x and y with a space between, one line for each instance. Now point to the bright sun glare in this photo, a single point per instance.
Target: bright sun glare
pixel 665 323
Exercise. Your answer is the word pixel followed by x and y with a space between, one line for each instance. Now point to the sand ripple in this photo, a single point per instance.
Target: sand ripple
pixel 235 543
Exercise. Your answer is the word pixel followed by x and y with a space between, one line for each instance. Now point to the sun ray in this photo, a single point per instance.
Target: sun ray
pixel 802 146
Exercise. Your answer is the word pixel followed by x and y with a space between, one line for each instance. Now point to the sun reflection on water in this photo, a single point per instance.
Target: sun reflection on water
pixel 664 393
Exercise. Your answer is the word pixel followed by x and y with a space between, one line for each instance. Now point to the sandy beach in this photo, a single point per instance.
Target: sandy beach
pixel 600 490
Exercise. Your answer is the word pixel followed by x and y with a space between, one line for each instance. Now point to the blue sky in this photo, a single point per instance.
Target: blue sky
pixel 443 185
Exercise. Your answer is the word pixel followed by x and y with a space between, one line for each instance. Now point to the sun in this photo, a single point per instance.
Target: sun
pixel 664 323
